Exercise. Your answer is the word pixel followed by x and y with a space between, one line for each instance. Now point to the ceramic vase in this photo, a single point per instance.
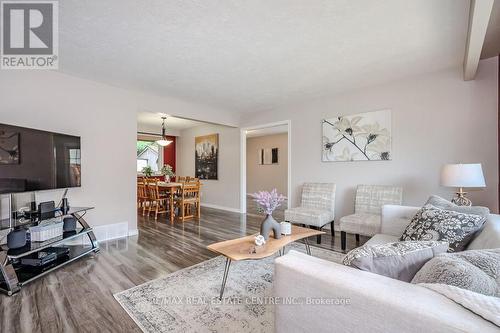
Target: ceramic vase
pixel 269 224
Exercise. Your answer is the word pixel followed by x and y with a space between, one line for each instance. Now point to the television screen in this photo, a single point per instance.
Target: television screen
pixel 34 160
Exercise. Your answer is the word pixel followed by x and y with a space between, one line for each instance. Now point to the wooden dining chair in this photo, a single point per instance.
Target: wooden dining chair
pixel 188 201
pixel 158 203
pixel 180 179
pixel 142 197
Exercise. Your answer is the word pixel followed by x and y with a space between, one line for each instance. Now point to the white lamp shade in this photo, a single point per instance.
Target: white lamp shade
pixel 462 175
pixel 164 142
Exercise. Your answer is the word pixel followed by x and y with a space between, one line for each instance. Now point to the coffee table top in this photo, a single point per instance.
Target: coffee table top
pixel 244 248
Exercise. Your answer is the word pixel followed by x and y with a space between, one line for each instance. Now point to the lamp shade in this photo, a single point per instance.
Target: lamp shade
pixel 462 175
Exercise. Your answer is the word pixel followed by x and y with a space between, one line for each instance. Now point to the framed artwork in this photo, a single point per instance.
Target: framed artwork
pixel 268 156
pixel 206 156
pixel 358 137
pixel 9 147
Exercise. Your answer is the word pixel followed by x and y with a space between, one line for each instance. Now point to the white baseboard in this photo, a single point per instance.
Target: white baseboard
pixel 229 209
pixel 112 231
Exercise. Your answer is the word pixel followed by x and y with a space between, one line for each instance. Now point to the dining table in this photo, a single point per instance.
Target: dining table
pixel 170 188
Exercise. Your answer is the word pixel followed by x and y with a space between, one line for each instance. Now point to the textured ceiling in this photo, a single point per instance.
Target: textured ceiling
pixel 252 55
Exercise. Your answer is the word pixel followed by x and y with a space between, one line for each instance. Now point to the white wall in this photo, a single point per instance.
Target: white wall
pixel 267 177
pixel 106 119
pixel 437 118
pixel 224 192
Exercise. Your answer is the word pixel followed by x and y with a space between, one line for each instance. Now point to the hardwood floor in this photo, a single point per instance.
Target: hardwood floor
pixel 79 296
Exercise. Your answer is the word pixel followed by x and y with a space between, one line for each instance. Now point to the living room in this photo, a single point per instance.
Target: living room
pixel 386 111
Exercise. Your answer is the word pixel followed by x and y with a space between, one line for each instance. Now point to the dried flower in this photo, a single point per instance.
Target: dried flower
pixel 268 201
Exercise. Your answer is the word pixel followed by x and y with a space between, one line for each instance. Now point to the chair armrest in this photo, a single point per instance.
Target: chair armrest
pixel 375 303
pixel 396 218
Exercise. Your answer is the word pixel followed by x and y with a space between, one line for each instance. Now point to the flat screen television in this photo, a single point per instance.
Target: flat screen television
pixel 35 160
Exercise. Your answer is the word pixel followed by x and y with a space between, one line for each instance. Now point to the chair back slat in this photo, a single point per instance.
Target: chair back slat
pixel 371 198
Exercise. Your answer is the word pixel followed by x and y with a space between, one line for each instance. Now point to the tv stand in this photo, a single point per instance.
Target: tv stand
pixel 14 275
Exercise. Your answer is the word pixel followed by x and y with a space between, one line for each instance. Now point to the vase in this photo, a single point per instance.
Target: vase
pixel 167 179
pixel 269 224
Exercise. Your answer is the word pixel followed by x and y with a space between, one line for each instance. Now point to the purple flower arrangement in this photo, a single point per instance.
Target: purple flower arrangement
pixel 268 201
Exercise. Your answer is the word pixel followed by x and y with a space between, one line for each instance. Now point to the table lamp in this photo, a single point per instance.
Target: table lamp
pixel 460 176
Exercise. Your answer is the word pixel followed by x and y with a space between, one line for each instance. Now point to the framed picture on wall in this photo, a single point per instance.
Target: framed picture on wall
pixel 206 150
pixel 358 137
pixel 268 156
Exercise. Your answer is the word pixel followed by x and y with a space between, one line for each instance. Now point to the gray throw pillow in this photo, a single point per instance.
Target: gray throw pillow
pixel 398 260
pixel 432 223
pixel 474 270
pixel 441 203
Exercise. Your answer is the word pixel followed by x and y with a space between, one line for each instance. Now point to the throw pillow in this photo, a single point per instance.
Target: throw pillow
pixel 432 223
pixel 441 203
pixel 474 270
pixel 398 260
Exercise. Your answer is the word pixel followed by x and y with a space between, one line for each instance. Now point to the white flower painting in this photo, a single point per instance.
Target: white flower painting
pixel 358 137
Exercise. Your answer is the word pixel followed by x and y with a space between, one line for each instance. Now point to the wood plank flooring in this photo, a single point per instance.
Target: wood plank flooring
pixel 79 296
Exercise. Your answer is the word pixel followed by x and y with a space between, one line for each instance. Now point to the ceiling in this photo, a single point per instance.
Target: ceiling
pixel 254 55
pixel 491 46
pixel 151 120
pixel 267 131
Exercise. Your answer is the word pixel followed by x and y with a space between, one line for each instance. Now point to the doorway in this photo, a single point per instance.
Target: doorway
pixel 265 163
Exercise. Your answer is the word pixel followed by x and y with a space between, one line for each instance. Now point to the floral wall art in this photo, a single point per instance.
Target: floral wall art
pixel 358 137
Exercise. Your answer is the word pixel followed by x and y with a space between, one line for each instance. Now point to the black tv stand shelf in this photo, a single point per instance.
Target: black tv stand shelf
pixel 14 275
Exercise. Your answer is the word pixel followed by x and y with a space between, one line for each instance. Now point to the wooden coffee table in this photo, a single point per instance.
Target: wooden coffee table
pixel 244 248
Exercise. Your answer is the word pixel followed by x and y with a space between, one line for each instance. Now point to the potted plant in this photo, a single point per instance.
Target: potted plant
pixel 147 171
pixel 268 202
pixel 167 171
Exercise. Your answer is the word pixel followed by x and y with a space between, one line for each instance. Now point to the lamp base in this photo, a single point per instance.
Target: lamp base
pixel 460 199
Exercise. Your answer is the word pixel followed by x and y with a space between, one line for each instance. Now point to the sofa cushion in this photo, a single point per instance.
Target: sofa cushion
pixel 309 216
pixel 361 223
pixel 441 203
pixel 398 260
pixel 474 270
pixel 382 239
pixel 432 223
pixel 489 236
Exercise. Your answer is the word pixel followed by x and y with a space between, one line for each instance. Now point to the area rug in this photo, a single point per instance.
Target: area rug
pixel 187 300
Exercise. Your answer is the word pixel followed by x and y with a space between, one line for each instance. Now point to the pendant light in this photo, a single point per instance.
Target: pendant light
pixel 163 141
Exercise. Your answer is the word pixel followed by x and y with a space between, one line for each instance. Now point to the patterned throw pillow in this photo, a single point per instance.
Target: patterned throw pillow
pixel 398 260
pixel 432 223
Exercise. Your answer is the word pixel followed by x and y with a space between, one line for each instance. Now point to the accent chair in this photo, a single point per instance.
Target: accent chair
pixel 317 207
pixel 366 219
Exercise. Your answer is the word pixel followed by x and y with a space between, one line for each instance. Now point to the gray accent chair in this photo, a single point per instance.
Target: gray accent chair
pixel 317 207
pixel 366 219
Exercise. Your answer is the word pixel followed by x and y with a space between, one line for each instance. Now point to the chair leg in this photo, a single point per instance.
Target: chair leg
pixel 318 238
pixel 343 237
pixel 332 229
pixel 357 239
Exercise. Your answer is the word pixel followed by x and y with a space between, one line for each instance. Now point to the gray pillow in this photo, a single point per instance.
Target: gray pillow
pixel 474 270
pixel 439 202
pixel 398 260
pixel 432 223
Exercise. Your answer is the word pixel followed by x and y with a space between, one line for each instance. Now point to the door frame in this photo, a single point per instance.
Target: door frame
pixel 243 160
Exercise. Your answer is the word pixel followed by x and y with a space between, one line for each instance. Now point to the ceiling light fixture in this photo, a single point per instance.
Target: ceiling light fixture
pixel 163 141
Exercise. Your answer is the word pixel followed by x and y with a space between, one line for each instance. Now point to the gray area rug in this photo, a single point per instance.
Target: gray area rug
pixel 187 300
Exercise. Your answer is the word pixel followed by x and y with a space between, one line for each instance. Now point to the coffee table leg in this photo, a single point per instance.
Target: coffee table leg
pixel 224 278
pixel 308 249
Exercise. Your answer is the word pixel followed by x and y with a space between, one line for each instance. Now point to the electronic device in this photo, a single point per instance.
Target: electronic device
pixel 40 258
pixel 34 160
pixel 47 210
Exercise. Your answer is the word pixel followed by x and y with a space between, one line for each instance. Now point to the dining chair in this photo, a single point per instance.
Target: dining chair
pixel 158 203
pixel 188 200
pixel 180 179
pixel 142 196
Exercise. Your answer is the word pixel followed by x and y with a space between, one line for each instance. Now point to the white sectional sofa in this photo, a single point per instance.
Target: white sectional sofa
pixel 376 303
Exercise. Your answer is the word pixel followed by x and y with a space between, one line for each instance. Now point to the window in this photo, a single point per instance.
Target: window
pixel 149 153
